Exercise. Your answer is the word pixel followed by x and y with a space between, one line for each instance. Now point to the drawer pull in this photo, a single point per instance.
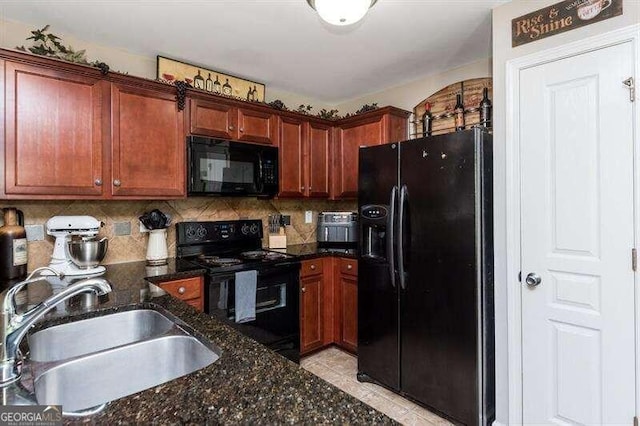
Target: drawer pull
pixel 349 267
pixel 313 267
pixel 181 290
pixel 117 182
pixel 303 289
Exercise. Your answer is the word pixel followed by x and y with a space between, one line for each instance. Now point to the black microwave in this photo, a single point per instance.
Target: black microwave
pixel 227 168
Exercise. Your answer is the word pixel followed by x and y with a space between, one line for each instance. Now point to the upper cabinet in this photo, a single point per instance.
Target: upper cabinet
pixel 148 143
pixel 304 158
pixel 226 121
pixel 54 131
pixel 72 132
pixel 384 125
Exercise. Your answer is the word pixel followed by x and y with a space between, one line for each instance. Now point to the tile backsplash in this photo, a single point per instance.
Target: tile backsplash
pixel 125 248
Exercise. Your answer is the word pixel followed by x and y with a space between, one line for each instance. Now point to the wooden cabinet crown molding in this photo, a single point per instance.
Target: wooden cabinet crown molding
pixel 120 78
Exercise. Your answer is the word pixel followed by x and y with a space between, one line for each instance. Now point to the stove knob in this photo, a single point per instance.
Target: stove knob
pixel 254 229
pixel 191 232
pixel 245 229
pixel 201 232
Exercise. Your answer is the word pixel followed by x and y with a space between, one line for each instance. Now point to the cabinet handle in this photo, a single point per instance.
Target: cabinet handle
pixel 98 182
pixel 313 267
pixel 302 188
pixel 231 127
pixel 303 289
pixel 349 266
pixel 117 182
pixel 241 129
pixel 181 290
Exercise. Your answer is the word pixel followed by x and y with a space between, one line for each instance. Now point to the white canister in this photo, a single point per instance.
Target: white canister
pixel 157 252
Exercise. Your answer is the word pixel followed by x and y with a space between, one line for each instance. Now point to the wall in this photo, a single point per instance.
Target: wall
pixel 503 52
pixel 14 33
pixel 408 95
pixel 133 247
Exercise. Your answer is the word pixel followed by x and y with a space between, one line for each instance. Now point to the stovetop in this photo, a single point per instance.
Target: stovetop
pixel 226 246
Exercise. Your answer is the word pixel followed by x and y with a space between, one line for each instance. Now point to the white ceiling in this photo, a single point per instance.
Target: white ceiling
pixel 282 42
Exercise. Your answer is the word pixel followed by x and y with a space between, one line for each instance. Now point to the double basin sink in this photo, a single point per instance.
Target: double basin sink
pixel 85 364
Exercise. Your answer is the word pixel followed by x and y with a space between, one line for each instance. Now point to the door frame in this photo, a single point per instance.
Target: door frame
pixel 512 197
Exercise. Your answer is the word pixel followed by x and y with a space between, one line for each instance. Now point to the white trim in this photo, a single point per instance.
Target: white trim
pixel 512 175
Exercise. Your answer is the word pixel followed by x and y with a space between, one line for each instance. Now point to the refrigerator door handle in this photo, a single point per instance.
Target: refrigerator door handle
pixel 391 223
pixel 401 272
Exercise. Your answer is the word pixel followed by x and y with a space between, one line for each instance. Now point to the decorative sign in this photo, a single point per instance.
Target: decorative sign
pixel 170 71
pixel 443 103
pixel 561 17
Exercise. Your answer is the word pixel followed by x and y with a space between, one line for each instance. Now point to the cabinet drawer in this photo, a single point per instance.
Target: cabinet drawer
pixel 349 266
pixel 311 267
pixel 186 289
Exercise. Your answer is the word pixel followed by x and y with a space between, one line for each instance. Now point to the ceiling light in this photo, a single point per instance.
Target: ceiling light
pixel 341 12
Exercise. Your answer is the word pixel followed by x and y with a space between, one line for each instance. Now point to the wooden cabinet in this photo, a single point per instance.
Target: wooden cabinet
pixel 71 133
pixel 148 143
pixel 54 133
pixel 328 304
pixel 311 306
pixel 378 127
pixel 347 298
pixel 304 158
pixel 293 141
pixel 226 121
pixel 190 290
pixel 318 162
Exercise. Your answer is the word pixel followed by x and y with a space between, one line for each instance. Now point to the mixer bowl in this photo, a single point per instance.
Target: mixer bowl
pixel 87 253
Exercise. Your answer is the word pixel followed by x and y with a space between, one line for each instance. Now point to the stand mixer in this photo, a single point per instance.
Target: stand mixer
pixel 63 228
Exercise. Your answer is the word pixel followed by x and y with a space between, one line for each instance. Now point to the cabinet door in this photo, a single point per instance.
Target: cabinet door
pixel 350 139
pixel 53 132
pixel 213 119
pixel 318 162
pixel 311 327
pixel 257 126
pixel 148 143
pixel 293 140
pixel 349 312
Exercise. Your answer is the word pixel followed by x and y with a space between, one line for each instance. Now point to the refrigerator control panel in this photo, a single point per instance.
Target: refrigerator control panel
pixel 374 212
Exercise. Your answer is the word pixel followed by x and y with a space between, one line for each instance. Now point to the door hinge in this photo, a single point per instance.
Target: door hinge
pixel 631 84
pixel 634 259
pixel 635 421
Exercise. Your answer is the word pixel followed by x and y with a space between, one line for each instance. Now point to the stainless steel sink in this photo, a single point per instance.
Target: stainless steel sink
pixel 96 334
pixel 88 363
pixel 94 379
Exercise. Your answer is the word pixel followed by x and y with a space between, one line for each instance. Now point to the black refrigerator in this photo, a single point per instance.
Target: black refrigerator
pixel 425 283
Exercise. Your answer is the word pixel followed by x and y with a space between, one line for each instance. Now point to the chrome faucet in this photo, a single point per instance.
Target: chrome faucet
pixel 15 326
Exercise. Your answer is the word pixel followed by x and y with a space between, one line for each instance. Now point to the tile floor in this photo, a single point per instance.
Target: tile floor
pixel 339 368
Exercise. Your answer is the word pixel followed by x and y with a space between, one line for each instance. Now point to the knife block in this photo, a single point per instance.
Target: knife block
pixel 278 241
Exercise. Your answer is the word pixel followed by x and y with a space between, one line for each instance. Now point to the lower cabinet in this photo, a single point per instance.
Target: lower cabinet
pixel 311 315
pixel 328 304
pixel 190 290
pixel 346 289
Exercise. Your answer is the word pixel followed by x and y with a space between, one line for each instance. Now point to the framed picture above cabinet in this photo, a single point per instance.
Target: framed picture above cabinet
pixel 171 70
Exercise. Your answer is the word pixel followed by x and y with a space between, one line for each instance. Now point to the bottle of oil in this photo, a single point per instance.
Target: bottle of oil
pixel 13 245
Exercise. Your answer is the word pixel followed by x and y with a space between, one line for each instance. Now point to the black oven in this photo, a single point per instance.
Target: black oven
pixel 277 312
pixel 221 167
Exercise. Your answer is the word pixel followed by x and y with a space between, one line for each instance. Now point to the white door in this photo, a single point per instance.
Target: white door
pixel 577 221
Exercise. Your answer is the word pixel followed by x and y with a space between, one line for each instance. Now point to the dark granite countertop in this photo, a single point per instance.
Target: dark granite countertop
pixel 249 384
pixel 313 250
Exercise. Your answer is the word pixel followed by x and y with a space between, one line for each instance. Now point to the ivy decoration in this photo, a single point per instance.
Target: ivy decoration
pixel 304 109
pixel 50 45
pixel 367 108
pixel 278 104
pixel 329 115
